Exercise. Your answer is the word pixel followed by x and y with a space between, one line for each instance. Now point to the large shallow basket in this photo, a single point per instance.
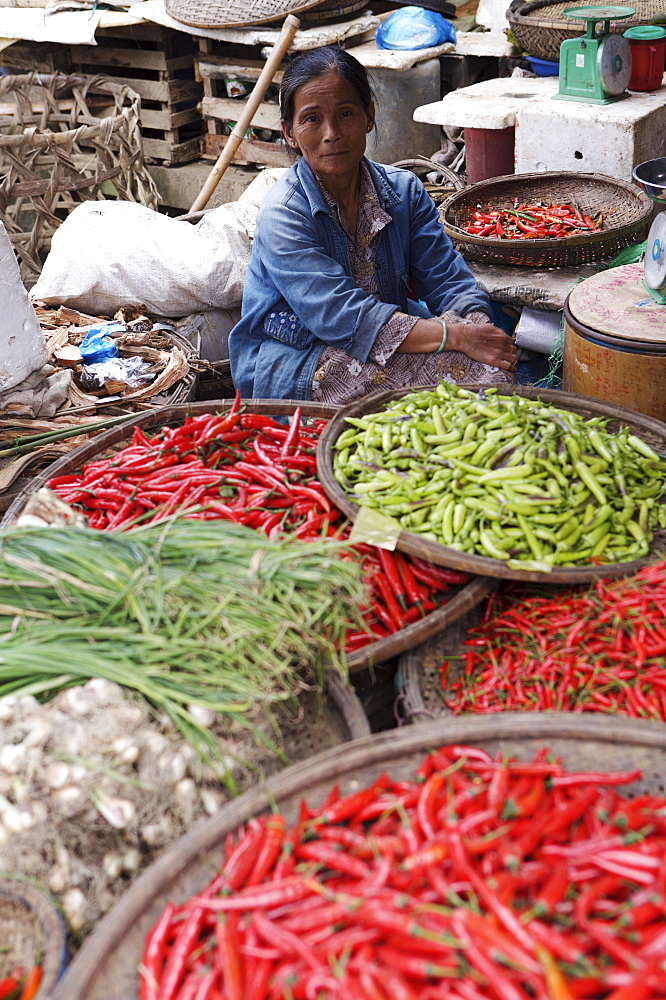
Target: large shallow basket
pixel 56 152
pixel 33 932
pixel 650 430
pixel 106 967
pixel 626 215
pixel 234 13
pixel 461 600
pixel 540 26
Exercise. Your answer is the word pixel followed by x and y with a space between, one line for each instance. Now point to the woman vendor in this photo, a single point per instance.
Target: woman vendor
pixel 344 250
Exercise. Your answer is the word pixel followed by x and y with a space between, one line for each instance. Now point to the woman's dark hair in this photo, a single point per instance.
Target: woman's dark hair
pixel 318 62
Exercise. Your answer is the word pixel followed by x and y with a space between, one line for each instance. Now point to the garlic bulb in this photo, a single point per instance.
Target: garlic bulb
pixel 57 774
pixel 68 801
pixel 12 757
pixel 74 905
pixel 117 812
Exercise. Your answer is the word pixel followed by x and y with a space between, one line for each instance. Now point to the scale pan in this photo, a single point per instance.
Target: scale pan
pixel 651 177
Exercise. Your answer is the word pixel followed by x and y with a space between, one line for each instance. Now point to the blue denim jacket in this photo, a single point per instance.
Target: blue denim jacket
pixel 299 296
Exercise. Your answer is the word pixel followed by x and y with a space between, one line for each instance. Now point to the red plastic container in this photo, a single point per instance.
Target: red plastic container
pixel 648 51
pixel 489 152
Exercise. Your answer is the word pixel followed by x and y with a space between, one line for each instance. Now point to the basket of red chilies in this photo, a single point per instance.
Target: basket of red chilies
pixel 513 858
pixel 594 649
pixel 551 219
pixel 236 461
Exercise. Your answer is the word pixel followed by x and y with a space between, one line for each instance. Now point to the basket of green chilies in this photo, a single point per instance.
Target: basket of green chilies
pixel 584 790
pixel 512 482
pixel 410 600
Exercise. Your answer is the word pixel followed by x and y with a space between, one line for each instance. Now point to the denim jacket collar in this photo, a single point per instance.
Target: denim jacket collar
pixel 386 194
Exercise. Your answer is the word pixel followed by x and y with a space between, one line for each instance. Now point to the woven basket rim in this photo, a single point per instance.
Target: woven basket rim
pixel 413 544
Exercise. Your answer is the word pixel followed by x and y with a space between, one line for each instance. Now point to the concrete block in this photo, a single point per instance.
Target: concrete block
pixel 22 346
pixel 179 186
pixel 490 104
pixel 605 139
pixel 485 43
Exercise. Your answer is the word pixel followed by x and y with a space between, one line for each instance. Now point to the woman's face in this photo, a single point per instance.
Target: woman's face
pixel 330 125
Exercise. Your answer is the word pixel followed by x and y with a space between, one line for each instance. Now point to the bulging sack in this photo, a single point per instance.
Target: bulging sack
pixel 112 253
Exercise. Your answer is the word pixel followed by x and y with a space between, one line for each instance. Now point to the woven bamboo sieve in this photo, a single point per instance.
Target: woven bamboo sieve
pixel 234 13
pixel 650 430
pixel 625 209
pixel 56 152
pixel 33 932
pixel 106 966
pixel 462 599
pixel 540 27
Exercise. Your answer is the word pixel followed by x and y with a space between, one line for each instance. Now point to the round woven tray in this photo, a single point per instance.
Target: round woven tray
pixel 236 13
pixel 540 27
pixel 461 598
pixel 106 967
pixel 650 430
pixel 626 217
pixel 32 932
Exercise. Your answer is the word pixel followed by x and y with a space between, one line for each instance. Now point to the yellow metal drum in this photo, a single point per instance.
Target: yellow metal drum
pixel 615 341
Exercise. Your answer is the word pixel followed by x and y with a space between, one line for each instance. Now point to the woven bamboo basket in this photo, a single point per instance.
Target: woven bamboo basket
pixel 56 152
pixel 541 26
pixel 106 967
pixel 650 430
pixel 235 13
pixel 422 694
pixel 332 10
pixel 626 216
pixel 462 597
pixel 33 932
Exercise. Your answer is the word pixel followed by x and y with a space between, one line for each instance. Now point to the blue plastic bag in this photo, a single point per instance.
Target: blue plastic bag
pixel 97 345
pixel 414 28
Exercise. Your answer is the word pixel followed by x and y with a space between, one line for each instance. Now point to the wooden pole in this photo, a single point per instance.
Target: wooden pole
pixel 285 38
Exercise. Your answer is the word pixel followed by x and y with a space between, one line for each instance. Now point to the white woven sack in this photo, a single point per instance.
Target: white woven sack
pixel 108 254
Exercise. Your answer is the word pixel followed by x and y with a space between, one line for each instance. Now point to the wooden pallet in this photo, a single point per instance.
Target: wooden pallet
pixel 158 63
pixel 215 64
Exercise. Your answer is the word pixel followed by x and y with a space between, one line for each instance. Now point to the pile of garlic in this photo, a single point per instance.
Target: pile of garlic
pixel 93 788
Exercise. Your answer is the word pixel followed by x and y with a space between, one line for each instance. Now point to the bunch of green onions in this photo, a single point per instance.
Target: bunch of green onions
pixel 184 614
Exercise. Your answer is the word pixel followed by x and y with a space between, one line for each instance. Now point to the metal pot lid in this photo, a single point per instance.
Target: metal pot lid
pixel 617 303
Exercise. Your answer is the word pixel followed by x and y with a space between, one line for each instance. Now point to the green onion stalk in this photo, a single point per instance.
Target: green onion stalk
pixel 183 614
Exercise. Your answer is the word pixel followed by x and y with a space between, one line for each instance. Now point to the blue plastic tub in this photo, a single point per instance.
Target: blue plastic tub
pixel 542 67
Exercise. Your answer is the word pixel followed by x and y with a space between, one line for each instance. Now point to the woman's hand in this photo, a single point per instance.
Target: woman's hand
pixel 479 341
pixel 483 342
